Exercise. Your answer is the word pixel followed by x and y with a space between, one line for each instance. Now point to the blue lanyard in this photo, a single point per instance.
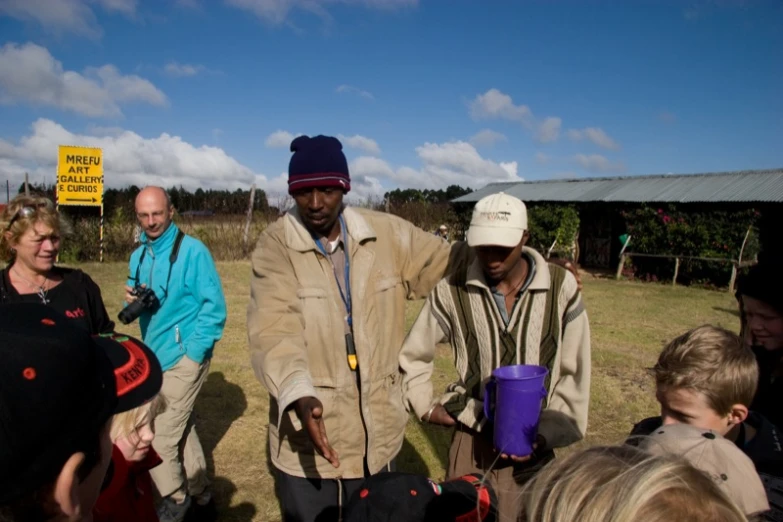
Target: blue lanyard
pixel 345 296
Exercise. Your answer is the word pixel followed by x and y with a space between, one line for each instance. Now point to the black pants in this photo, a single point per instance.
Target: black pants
pixel 314 500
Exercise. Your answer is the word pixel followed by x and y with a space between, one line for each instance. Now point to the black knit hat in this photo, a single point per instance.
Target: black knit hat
pixel 317 162
pixel 393 497
pixel 59 386
pixel 765 283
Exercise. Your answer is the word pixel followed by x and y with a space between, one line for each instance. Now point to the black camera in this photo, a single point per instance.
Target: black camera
pixel 145 300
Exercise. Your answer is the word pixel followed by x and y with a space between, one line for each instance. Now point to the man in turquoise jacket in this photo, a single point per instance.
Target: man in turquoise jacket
pixel 182 330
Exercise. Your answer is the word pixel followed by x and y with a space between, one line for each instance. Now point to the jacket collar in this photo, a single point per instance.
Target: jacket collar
pixel 541 280
pixel 165 241
pixel 299 238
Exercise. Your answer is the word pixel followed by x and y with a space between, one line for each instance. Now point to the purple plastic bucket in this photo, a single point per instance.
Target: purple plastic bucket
pixel 512 402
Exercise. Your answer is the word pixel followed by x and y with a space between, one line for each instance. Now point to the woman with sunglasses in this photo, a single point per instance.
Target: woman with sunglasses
pixel 30 243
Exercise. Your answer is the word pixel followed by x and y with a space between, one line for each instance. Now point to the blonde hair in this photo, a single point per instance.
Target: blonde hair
pixel 624 484
pixel 126 424
pixel 14 224
pixel 712 361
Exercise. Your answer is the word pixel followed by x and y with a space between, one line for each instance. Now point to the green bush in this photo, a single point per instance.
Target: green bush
pixel 550 224
pixel 676 231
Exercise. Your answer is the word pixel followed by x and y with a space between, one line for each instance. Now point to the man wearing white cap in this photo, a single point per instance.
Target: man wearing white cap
pixel 501 304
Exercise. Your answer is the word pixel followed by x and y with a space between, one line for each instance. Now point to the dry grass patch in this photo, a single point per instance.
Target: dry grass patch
pixel 630 323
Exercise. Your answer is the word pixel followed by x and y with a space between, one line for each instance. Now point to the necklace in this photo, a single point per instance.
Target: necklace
pixel 42 291
pixel 517 285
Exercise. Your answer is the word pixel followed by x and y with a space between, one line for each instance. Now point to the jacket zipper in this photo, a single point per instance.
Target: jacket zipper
pixel 178 338
pixel 152 265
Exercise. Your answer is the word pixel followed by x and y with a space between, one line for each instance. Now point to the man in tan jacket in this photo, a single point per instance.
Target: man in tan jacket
pixel 501 304
pixel 326 322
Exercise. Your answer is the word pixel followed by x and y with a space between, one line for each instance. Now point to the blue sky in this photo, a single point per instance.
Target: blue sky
pixel 424 93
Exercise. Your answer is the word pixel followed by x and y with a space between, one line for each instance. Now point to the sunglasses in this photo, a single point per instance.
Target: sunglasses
pixel 27 212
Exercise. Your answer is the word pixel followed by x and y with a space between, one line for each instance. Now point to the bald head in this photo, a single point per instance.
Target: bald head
pixel 152 191
pixel 154 211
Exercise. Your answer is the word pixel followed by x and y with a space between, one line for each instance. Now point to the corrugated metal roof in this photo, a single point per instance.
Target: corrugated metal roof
pixel 720 187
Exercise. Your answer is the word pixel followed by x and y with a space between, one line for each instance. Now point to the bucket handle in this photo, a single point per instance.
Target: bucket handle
pixel 489 398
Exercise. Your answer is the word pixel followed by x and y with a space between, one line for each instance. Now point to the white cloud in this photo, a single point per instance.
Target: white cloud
pixel 29 73
pixel 129 159
pixel 451 163
pixel 595 135
pixel 277 11
pixel 354 90
pixel 280 139
pixel 367 145
pixel 598 163
pixel 542 158
pixel 169 160
pixel 497 105
pixel 66 16
pixel 487 138
pixel 494 104
pixel 549 130
pixel 183 69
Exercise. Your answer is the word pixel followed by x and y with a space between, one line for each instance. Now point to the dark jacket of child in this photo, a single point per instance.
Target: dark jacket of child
pixel 770 390
pixel 128 495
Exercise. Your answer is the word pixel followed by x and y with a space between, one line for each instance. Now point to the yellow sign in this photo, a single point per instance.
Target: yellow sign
pixel 80 176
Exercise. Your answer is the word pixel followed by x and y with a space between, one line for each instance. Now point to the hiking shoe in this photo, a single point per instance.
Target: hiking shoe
pixel 170 511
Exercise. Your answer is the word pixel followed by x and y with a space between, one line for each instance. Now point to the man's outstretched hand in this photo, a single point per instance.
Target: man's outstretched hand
pixel 310 412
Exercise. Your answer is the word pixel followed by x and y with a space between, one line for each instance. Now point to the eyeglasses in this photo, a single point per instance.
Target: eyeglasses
pixel 27 212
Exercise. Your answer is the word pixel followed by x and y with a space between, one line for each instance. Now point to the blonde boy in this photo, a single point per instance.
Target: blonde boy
pixel 707 378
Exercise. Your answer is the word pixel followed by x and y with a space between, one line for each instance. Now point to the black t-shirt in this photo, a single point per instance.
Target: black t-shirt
pixel 77 297
pixel 770 390
pixel 766 452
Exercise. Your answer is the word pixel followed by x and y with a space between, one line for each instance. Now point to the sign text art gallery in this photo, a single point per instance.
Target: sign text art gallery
pixel 80 180
pixel 79 176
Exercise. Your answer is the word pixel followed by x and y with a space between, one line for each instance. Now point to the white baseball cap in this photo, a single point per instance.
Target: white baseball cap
pixel 498 220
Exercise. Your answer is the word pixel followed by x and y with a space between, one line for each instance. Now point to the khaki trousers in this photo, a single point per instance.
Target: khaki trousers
pixel 176 440
pixel 473 452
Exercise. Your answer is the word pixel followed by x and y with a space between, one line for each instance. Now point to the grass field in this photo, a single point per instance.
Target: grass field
pixel 630 322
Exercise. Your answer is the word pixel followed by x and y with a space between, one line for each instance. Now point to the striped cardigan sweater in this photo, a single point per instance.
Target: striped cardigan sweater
pixel 548 326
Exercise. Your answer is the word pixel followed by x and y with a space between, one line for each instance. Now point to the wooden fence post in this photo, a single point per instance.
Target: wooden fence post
pixel 676 270
pixel 246 235
pixel 620 266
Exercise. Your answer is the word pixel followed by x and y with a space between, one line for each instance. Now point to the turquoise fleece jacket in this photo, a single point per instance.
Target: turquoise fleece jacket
pixel 192 310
